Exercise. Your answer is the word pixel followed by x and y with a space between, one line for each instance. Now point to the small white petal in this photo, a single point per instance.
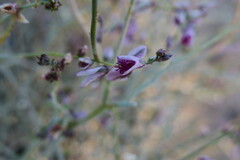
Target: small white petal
pixel 139 51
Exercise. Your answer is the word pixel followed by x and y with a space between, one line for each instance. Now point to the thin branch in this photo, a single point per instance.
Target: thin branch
pixel 126 24
pixel 94 29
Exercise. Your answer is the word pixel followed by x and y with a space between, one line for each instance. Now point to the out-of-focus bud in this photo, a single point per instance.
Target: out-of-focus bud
pixel 169 42
pixel 180 18
pixel 162 55
pixel 9 8
pixel 52 5
pixel 85 63
pixel 68 58
pixel 43 60
pixel 13 9
pixel 188 36
pixel 82 51
pixel 108 54
pixel 51 76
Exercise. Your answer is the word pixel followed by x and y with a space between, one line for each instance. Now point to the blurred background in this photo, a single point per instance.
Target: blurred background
pixel 166 110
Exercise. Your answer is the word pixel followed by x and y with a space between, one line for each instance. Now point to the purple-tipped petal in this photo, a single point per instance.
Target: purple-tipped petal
pixel 88 72
pixel 139 51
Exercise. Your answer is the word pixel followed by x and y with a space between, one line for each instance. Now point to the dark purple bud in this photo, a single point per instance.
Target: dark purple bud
pixel 162 55
pixel 43 60
pixel 82 51
pixel 56 128
pixel 85 63
pixel 60 65
pixel 51 76
pixel 52 5
pixel 161 52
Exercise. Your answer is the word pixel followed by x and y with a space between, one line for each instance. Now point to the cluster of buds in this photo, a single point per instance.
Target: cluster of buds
pixel 14 10
pixel 186 18
pixel 56 66
pixel 161 55
pixel 52 5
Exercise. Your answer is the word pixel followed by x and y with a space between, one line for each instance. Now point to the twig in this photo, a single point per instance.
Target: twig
pixel 126 24
pixel 94 29
pixel 201 148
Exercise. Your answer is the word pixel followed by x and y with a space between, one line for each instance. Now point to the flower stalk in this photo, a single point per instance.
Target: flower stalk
pixel 126 24
pixel 94 29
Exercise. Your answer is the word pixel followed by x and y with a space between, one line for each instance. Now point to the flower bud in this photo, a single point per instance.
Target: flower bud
pixel 85 63
pixel 180 18
pixel 82 51
pixel 51 76
pixel 68 58
pixel 43 60
pixel 13 9
pixel 188 36
pixel 53 5
pixel 9 8
pixel 162 55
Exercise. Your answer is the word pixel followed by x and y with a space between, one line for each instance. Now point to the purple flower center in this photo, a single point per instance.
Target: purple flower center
pixel 123 65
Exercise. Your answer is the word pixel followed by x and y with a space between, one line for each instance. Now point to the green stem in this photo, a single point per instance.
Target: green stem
pixel 126 24
pixel 35 4
pixel 97 111
pixel 55 102
pixel 201 148
pixel 94 29
pixel 115 111
pixel 104 63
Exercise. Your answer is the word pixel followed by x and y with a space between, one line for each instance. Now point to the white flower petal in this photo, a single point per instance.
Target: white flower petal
pixel 139 51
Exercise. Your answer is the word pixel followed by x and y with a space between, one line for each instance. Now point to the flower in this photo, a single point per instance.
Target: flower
pixel 92 74
pixel 126 64
pixel 13 9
